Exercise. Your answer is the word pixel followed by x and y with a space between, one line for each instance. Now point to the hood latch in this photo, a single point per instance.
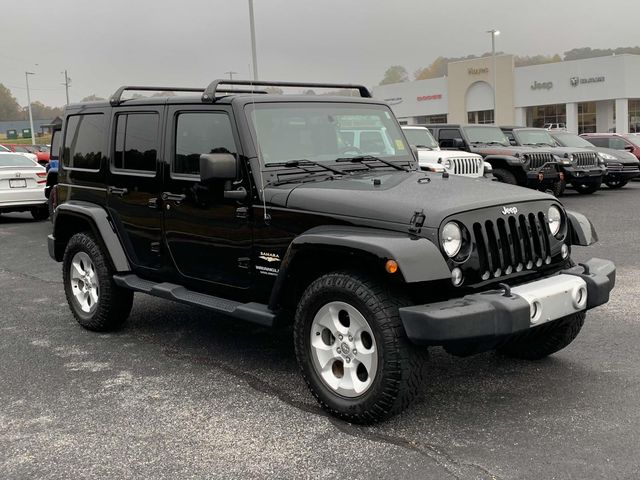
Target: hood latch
pixel 417 221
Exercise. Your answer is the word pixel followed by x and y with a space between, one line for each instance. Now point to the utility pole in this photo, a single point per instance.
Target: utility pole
pixel 33 133
pixel 494 33
pixel 253 41
pixel 66 83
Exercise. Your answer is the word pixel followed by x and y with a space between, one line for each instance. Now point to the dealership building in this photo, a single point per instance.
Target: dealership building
pixel 592 95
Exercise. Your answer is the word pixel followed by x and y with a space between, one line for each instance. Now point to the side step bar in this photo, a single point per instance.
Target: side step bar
pixel 251 312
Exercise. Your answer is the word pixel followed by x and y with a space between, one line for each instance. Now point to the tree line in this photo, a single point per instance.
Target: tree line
pixel 438 68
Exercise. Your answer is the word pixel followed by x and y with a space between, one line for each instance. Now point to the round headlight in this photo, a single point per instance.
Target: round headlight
pixel 554 217
pixel 451 239
pixel 447 164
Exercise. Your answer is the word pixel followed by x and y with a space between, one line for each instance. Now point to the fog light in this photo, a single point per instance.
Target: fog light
pixel 564 251
pixel 456 276
pixel 536 311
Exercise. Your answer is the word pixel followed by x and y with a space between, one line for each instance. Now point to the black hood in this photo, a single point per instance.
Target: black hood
pixel 399 195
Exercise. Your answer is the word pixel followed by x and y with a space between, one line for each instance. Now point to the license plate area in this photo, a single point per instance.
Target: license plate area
pixel 17 183
pixel 554 297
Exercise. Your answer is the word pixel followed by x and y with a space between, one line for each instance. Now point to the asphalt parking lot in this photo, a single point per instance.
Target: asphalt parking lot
pixel 179 393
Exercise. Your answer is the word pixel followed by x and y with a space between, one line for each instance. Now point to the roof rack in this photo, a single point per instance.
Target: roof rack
pixel 116 98
pixel 209 94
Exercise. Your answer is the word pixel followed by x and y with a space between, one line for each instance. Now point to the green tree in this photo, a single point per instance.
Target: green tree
pixel 42 112
pixel 9 107
pixel 395 74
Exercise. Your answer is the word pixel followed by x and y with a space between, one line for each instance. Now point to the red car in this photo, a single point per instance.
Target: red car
pixel 40 151
pixel 618 141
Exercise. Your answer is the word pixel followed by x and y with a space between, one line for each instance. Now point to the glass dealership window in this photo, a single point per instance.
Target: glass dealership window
pixel 587 117
pixel 425 119
pixel 634 116
pixel 544 114
pixel 482 116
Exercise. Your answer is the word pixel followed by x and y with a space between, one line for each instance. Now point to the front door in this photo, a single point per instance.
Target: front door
pixel 135 183
pixel 208 236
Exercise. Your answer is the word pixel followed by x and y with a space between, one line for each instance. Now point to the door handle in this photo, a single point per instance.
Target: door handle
pixel 121 192
pixel 173 197
pixel 152 203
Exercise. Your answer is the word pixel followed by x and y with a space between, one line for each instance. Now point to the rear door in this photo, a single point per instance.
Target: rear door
pixel 135 182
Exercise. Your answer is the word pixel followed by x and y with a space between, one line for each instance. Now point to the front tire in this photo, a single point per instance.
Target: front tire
pixel 505 176
pixel 353 350
pixel 558 187
pixel 40 213
pixel 616 184
pixel 544 340
pixel 95 300
pixel 587 188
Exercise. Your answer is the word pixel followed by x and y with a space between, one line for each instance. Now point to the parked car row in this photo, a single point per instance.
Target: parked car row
pixel 537 158
pixel 40 153
pixel 22 182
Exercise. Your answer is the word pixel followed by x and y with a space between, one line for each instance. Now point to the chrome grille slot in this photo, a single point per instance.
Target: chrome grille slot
pixel 519 242
pixel 465 166
pixel 585 159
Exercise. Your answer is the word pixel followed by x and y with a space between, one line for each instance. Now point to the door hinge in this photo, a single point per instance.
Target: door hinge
pixel 244 262
pixel 417 221
pixel 155 247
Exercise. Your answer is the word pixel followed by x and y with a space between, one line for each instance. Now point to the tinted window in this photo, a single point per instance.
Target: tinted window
pixel 599 141
pixel 449 134
pixel 617 143
pixel 83 141
pixel 136 141
pixel 56 139
pixel 198 133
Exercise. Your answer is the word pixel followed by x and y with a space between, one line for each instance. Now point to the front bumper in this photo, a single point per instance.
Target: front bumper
pixel 583 175
pixel 545 176
pixel 492 314
pixel 621 175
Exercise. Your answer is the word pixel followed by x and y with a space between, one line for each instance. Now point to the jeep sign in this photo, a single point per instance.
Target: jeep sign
pixel 541 85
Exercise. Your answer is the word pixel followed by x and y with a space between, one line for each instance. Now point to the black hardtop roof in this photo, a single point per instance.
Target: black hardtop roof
pixel 457 125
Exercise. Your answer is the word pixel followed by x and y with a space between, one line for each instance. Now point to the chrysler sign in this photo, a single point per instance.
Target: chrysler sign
pixel 575 81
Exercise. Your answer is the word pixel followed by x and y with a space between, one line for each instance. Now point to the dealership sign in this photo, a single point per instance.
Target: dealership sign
pixel 575 81
pixel 393 101
pixel 541 85
pixel 477 71
pixel 425 98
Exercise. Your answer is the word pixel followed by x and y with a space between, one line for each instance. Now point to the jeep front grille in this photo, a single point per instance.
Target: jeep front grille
pixel 537 160
pixel 466 166
pixel 585 159
pixel 512 244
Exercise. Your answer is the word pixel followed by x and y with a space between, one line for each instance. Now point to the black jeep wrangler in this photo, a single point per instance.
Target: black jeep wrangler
pixel 524 166
pixel 582 168
pixel 249 205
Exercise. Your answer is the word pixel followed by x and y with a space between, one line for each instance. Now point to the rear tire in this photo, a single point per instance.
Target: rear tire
pixel 353 350
pixel 95 300
pixel 587 188
pixel 40 213
pixel 505 176
pixel 616 184
pixel 544 340
pixel 557 189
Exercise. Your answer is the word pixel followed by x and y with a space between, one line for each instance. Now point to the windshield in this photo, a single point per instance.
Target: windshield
pixel 634 139
pixel 572 140
pixel 324 132
pixel 420 137
pixel 14 160
pixel 486 135
pixel 533 137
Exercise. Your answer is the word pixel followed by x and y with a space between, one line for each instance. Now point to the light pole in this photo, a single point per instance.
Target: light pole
pixel 33 138
pixel 231 73
pixel 66 83
pixel 253 41
pixel 494 33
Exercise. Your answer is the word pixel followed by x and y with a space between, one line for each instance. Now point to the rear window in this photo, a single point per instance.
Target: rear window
pixel 84 141
pixel 12 160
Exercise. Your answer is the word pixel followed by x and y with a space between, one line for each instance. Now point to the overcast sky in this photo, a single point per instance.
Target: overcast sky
pixel 190 42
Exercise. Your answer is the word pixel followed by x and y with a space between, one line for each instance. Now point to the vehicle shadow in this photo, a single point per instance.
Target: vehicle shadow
pixel 17 218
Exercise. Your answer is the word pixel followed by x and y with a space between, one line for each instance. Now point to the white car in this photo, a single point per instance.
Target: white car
pixel 431 158
pixel 22 183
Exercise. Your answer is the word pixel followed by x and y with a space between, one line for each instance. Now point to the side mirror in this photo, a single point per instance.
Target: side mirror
pixel 56 139
pixel 458 143
pixel 629 148
pixel 513 143
pixel 218 166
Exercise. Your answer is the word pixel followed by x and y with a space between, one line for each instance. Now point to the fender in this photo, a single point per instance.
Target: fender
pixel 418 259
pixel 508 159
pixel 582 231
pixel 99 218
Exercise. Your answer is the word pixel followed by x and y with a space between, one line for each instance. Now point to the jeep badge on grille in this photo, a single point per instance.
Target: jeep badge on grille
pixel 509 210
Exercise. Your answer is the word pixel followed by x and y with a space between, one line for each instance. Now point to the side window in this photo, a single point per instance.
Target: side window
pixel 599 141
pixel 136 142
pixel 84 141
pixel 198 133
pixel 447 135
pixel 616 143
pixel 372 142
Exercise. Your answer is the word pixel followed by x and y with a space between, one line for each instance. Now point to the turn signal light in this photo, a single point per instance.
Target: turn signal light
pixel 391 266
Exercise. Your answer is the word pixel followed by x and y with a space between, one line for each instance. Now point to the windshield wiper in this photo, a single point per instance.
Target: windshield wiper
pixel 424 146
pixel 304 162
pixel 370 158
